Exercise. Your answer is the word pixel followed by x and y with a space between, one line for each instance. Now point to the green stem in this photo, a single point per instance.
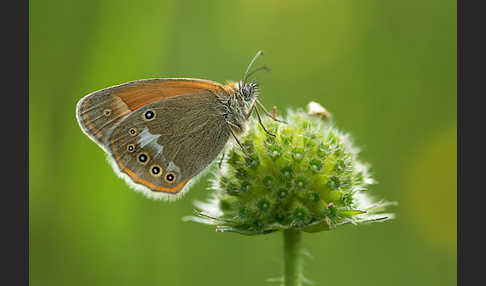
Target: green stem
pixel 292 258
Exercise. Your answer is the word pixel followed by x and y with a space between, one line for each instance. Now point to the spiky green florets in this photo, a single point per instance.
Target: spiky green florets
pixel 307 177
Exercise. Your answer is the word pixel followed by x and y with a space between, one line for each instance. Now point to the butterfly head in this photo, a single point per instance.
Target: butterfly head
pixel 249 90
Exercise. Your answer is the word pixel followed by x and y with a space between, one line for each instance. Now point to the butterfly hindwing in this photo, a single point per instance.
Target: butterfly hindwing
pixel 164 144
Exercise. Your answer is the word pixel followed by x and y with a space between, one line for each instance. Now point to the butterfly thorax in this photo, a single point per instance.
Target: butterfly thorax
pixel 239 104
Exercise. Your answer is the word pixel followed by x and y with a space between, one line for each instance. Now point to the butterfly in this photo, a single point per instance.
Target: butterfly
pixel 161 133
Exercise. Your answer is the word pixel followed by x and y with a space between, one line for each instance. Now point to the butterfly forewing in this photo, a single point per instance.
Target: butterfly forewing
pixel 100 111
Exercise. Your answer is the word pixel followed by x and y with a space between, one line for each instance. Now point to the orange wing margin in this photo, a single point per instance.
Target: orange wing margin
pixel 142 92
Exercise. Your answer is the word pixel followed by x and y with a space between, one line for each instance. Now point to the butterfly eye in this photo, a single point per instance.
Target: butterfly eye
pixel 132 131
pixel 107 112
pixel 155 170
pixel 244 91
pixel 143 158
pixel 148 115
pixel 130 148
pixel 170 177
pixel 247 90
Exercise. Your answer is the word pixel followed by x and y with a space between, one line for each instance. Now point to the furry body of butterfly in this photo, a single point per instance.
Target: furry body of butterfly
pixel 160 134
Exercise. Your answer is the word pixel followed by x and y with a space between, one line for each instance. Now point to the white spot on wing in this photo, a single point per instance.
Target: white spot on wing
pixel 173 167
pixel 147 138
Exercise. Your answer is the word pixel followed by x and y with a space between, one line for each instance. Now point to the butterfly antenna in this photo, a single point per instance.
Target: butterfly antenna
pixel 259 53
pixel 267 69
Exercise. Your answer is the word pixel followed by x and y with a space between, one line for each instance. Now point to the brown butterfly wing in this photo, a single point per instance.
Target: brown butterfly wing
pixel 100 111
pixel 181 137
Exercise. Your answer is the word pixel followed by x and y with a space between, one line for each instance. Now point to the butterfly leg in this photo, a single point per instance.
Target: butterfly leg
pixel 274 117
pixel 261 123
pixel 259 119
pixel 250 112
pixel 236 138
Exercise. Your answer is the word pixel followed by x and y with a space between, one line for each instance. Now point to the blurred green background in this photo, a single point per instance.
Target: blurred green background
pixel 386 70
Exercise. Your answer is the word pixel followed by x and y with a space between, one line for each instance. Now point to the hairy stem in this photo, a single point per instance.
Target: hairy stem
pixel 292 258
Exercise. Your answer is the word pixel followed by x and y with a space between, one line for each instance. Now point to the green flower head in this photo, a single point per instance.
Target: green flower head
pixel 308 177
